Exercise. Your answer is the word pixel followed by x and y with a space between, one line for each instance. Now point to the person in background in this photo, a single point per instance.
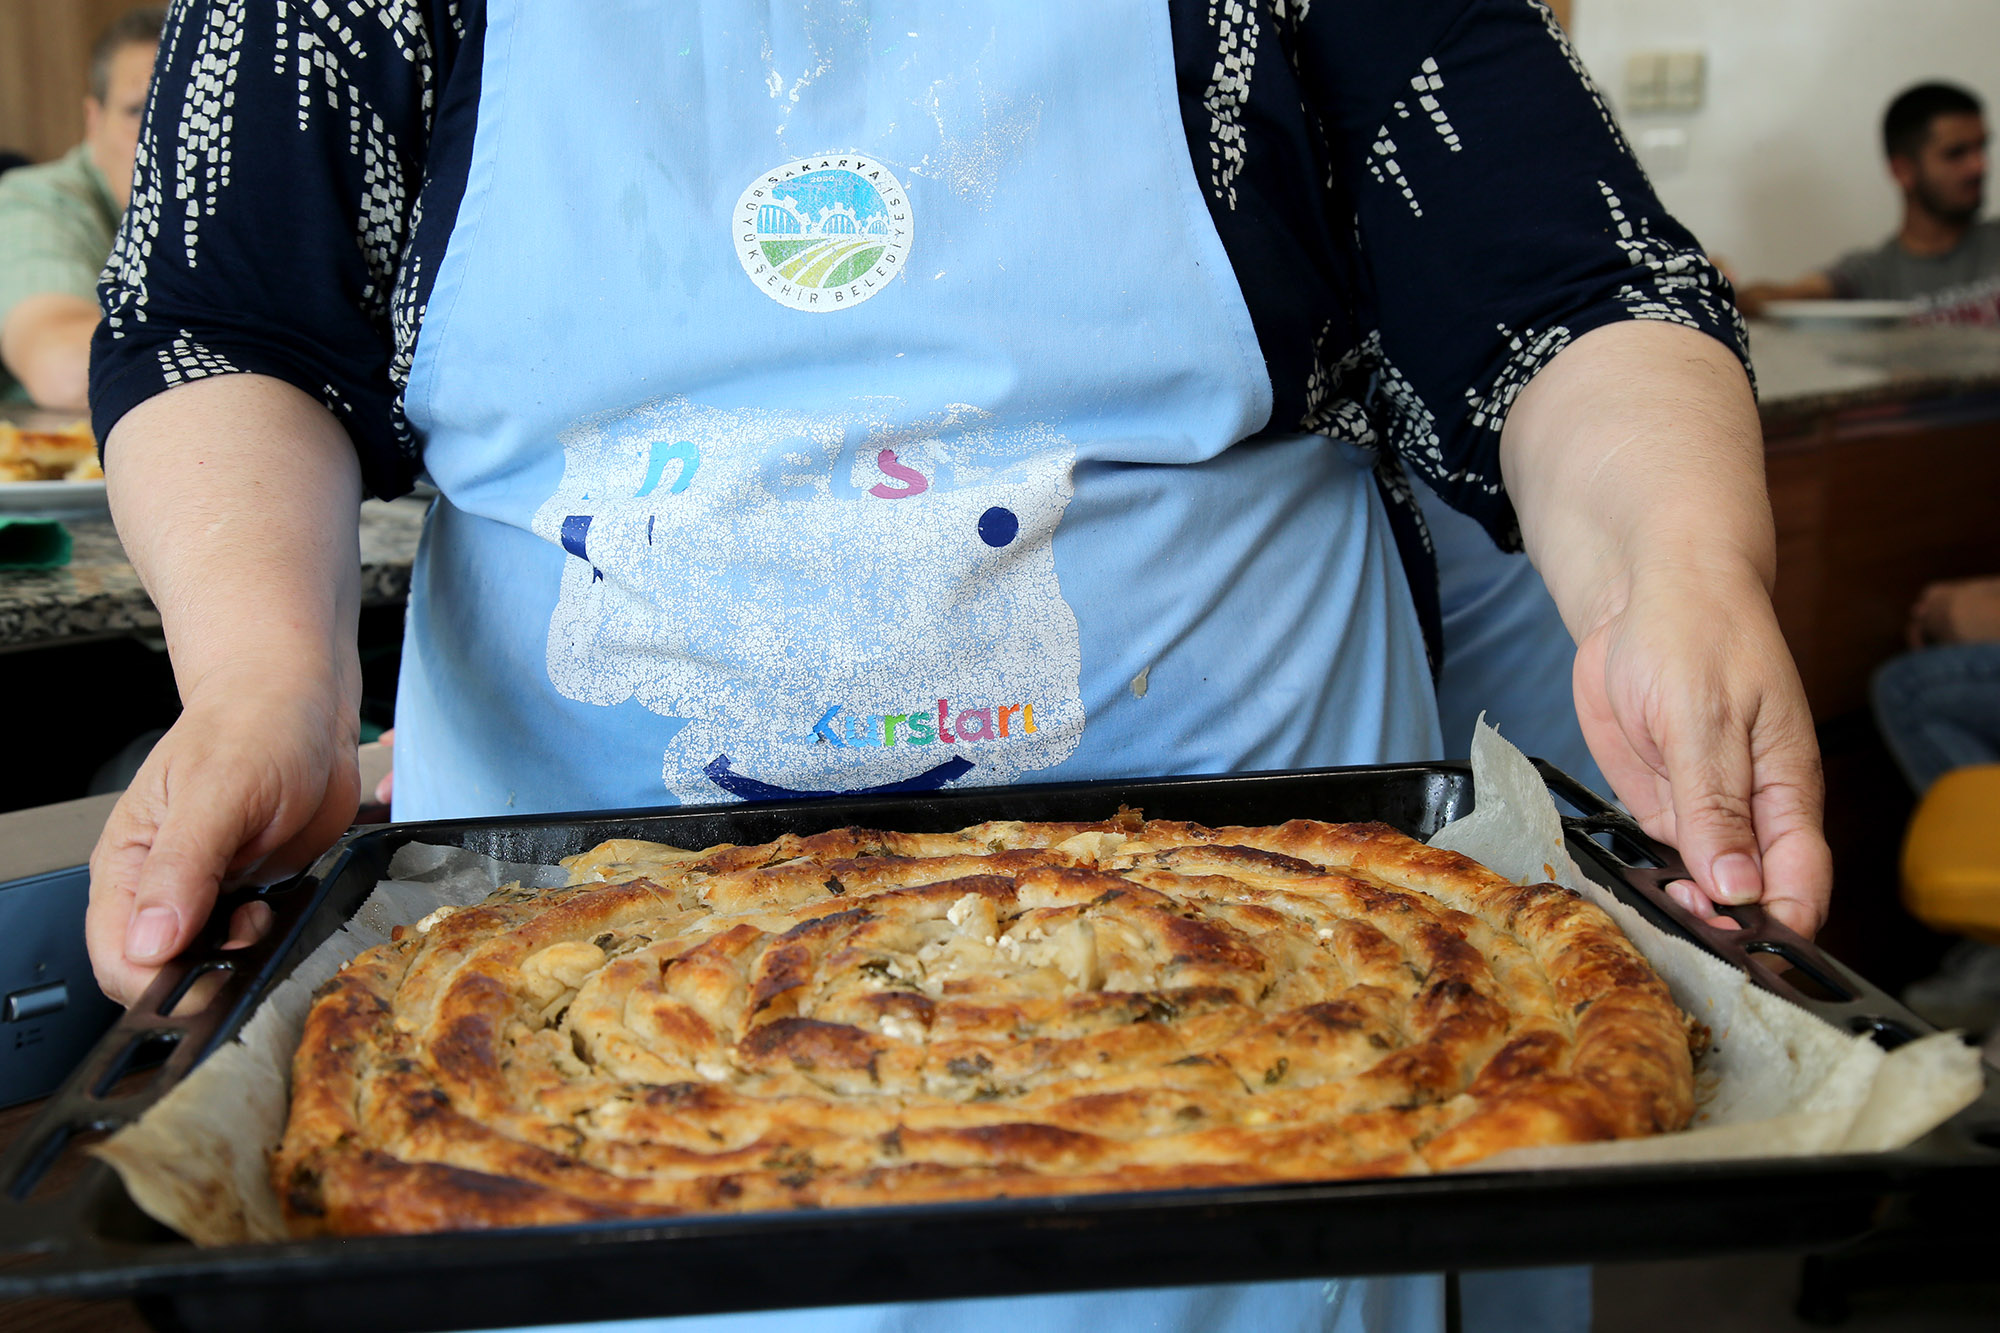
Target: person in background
pixel 1939 704
pixel 57 222
pixel 1938 707
pixel 1935 137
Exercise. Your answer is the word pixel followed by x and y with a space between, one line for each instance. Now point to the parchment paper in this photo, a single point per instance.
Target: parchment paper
pixel 196 1160
pixel 1777 1082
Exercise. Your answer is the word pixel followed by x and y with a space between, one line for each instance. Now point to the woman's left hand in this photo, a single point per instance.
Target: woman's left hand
pixel 1636 461
pixel 1691 705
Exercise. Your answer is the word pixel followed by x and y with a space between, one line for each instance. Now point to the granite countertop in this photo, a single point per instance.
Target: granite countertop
pixel 1805 373
pixel 98 591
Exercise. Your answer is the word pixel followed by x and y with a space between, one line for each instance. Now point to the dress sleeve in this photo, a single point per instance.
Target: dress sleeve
pixel 1500 215
pixel 280 166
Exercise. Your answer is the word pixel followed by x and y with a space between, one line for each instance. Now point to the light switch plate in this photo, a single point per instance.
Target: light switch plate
pixel 1657 81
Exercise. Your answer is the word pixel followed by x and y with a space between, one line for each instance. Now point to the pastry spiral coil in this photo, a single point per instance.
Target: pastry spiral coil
pixel 861 1016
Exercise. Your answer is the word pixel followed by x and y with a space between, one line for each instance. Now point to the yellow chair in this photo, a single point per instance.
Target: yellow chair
pixel 1951 854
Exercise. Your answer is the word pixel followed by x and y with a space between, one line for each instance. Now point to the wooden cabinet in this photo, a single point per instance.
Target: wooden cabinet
pixel 44 70
pixel 1870 507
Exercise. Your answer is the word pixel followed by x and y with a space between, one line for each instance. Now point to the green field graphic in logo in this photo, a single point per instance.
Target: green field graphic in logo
pixel 823 233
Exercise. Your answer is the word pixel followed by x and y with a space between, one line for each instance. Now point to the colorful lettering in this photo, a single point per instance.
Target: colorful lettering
pixel 914 482
pixel 838 727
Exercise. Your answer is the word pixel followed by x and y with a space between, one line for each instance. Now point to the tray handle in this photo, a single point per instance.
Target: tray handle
pixel 1776 957
pixel 89 1100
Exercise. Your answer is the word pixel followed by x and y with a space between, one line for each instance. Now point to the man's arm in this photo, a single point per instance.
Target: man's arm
pixel 238 500
pixel 1635 459
pixel 1957 611
pixel 1752 298
pixel 45 343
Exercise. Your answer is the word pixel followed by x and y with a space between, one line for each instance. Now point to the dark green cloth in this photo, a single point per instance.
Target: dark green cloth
pixel 33 543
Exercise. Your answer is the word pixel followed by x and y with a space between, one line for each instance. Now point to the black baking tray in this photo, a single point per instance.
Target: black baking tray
pixel 88 1240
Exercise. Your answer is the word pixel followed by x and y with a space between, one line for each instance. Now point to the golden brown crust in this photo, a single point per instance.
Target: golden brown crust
pixel 1013 1009
pixel 48 455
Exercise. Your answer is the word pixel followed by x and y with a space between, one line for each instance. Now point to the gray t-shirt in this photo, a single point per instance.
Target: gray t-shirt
pixel 1890 273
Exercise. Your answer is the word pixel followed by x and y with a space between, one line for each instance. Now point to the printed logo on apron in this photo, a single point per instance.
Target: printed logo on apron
pixel 823 233
pixel 829 601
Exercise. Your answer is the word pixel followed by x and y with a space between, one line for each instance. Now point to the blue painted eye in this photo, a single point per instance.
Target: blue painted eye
pixel 998 526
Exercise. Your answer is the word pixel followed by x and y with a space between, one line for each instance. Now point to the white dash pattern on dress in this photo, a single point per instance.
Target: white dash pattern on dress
pixel 1236 32
pixel 184 360
pixel 1426 85
pixel 202 147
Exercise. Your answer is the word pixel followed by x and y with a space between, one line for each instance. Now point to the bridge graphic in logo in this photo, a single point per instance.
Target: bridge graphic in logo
pixel 823 233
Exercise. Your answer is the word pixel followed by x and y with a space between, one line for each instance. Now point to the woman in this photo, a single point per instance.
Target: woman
pixel 862 398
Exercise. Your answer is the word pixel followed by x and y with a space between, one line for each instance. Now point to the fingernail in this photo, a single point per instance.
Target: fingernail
pixel 1689 897
pixel 1737 879
pixel 151 934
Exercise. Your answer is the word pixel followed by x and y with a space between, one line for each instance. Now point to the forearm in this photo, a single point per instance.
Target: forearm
pixel 1637 453
pixel 237 499
pixel 1636 461
pixel 1752 297
pixel 46 346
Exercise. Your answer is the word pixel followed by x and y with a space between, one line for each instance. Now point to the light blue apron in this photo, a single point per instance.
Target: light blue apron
pixel 1507 653
pixel 841 397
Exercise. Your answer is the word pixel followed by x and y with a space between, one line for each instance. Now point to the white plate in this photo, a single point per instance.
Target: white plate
pixel 53 499
pixel 1841 314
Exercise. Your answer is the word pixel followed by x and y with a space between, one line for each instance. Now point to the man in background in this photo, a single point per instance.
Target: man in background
pixel 1935 137
pixel 57 222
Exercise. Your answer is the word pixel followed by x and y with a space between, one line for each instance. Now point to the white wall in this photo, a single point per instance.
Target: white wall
pixel 1782 169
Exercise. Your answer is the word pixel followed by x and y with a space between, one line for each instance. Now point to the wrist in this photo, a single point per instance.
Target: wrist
pixel 1710 572
pixel 326 690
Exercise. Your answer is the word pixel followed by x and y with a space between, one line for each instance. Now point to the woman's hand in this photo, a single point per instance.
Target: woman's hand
pixel 257 777
pixel 1693 709
pixel 1636 462
pixel 238 499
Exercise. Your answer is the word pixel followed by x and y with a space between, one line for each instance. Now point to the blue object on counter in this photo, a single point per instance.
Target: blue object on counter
pixel 51 1011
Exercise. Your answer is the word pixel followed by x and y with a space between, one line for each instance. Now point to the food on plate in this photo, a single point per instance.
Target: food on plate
pixel 67 454
pixel 860 1017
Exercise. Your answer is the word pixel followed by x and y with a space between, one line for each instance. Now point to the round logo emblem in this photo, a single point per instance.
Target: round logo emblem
pixel 823 233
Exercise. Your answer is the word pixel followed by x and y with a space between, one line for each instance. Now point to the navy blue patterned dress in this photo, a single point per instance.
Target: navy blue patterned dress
pixel 1424 201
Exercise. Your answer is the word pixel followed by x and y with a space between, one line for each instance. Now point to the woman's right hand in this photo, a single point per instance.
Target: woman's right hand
pixel 238 500
pixel 257 778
